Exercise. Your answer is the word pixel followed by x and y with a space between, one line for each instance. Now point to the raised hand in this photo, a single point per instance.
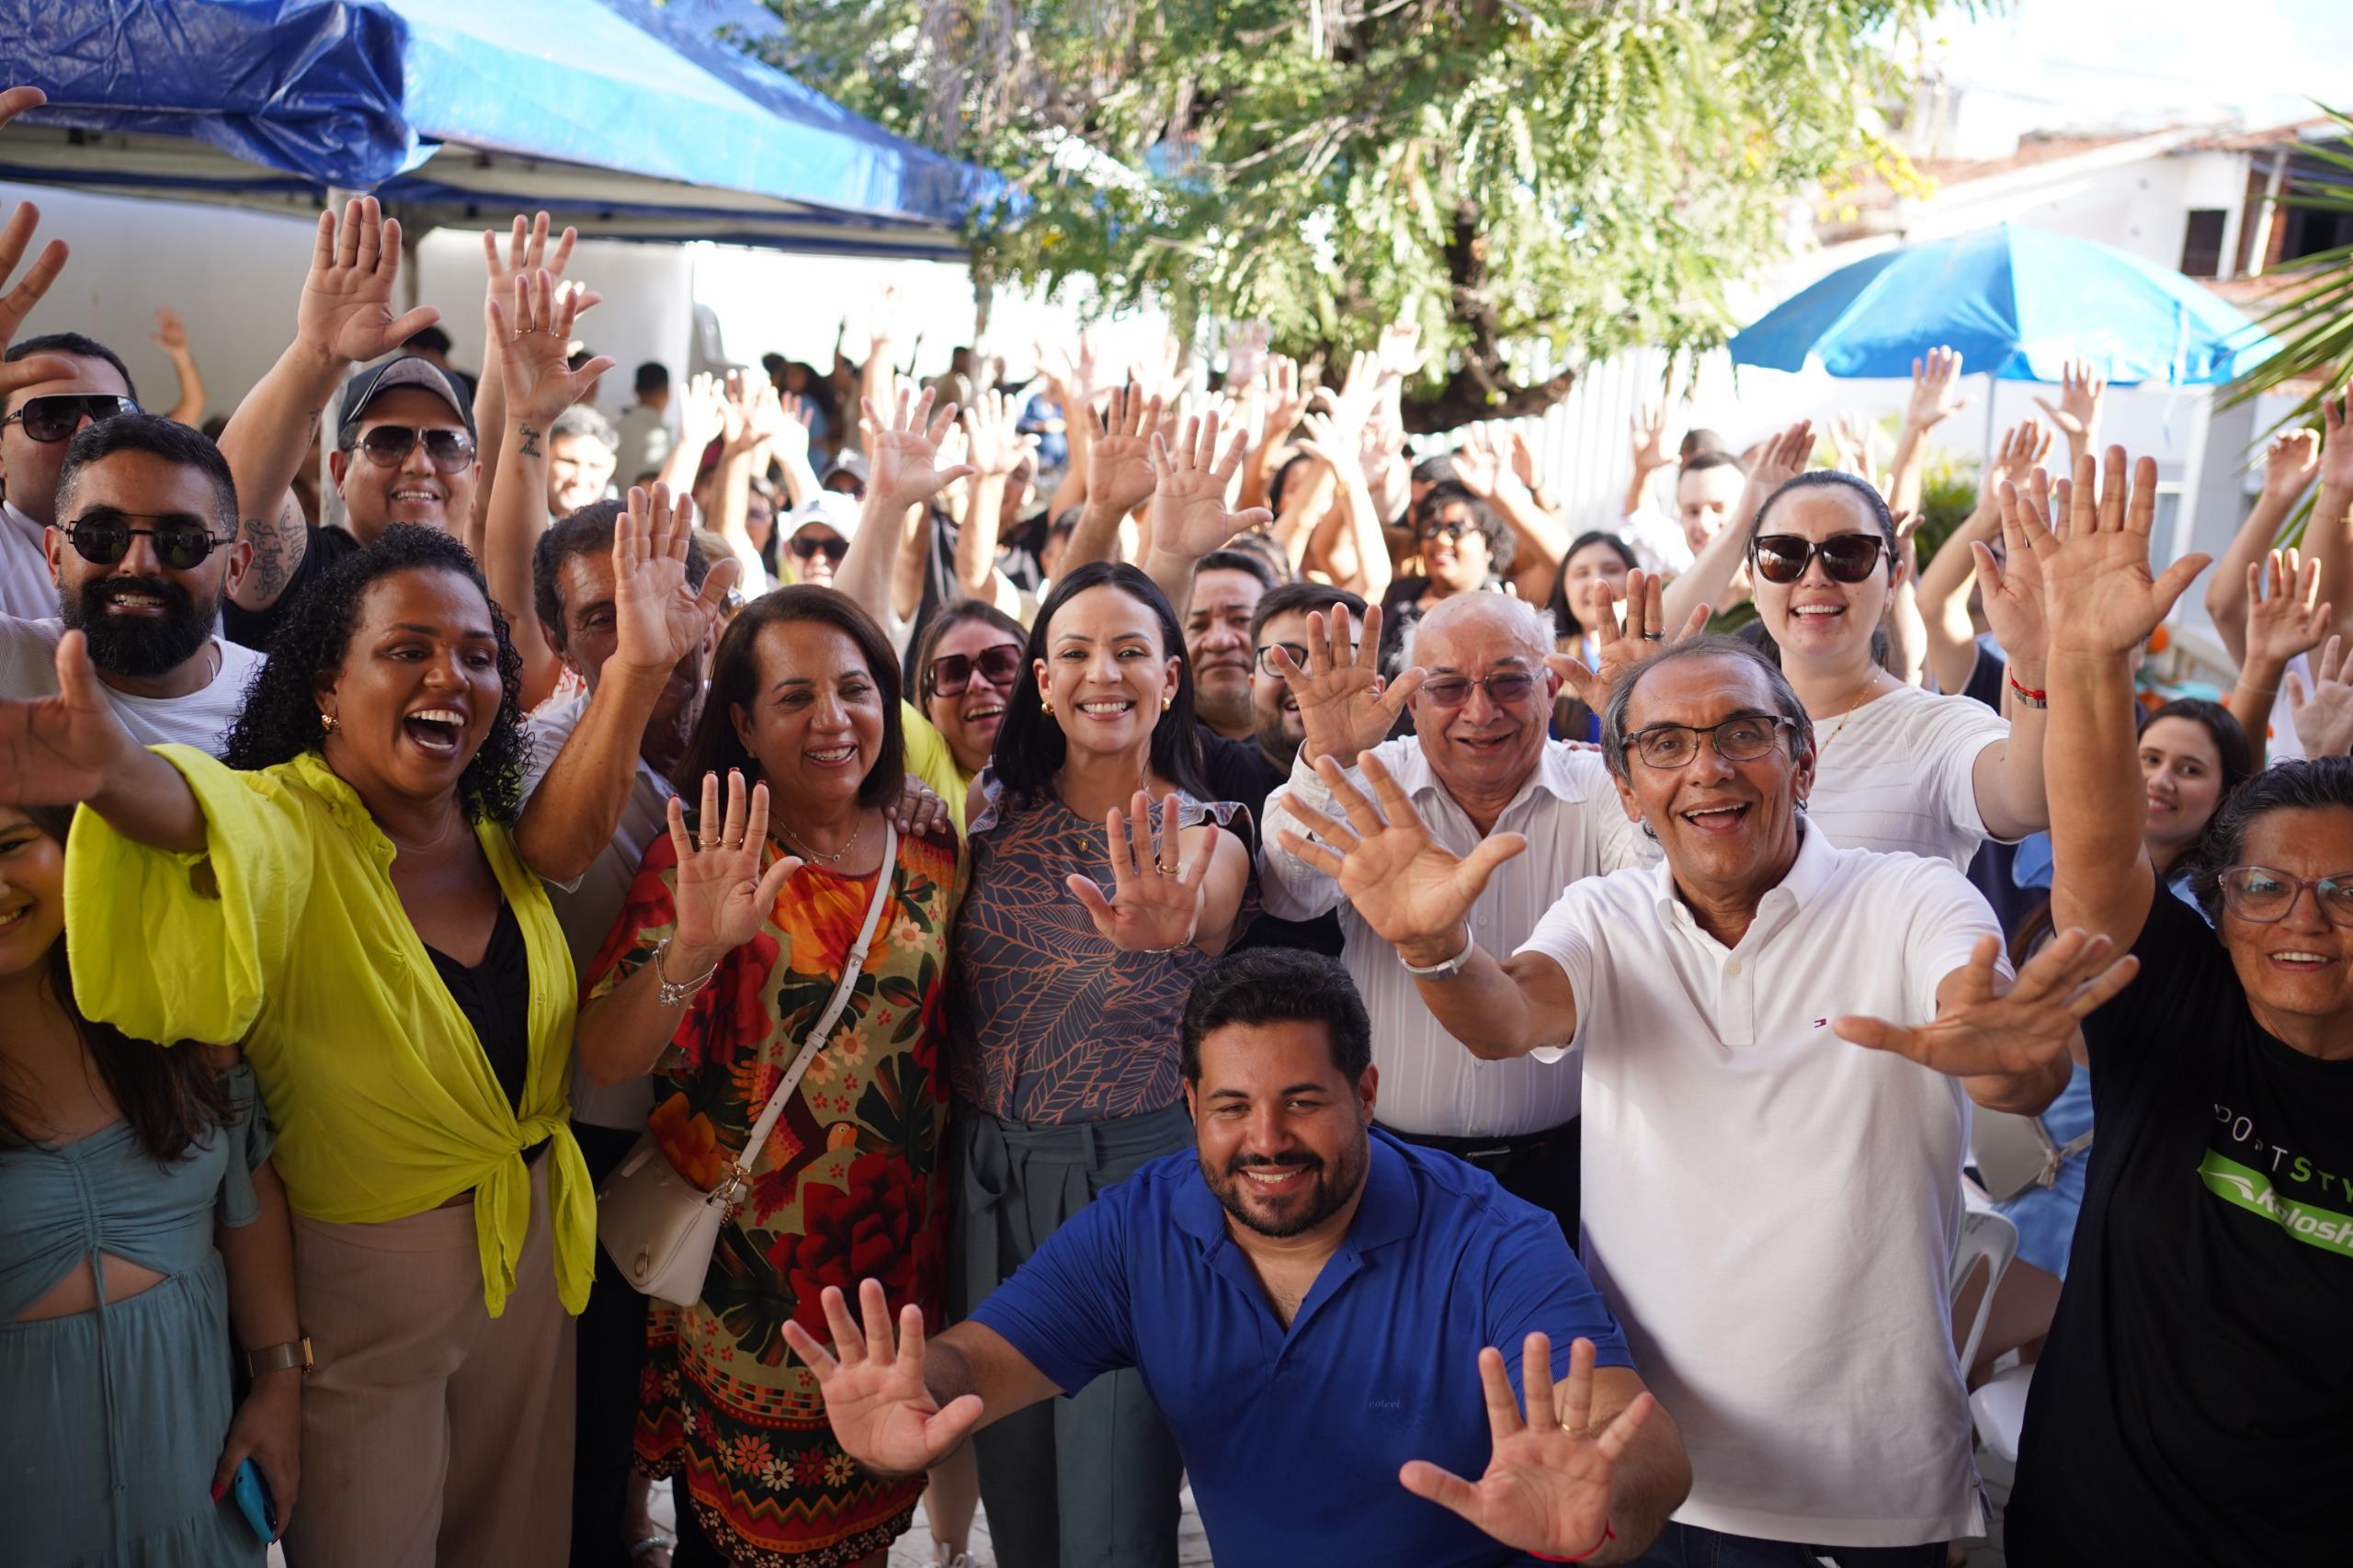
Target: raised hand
pixel 883 1415
pixel 1617 650
pixel 57 751
pixel 1781 458
pixel 2011 589
pixel 18 302
pixel 2077 412
pixel 1980 1034
pixel 787 436
pixel 2324 715
pixel 1414 892
pixel 1156 903
pixel 2336 442
pixel 2284 617
pixel 1119 451
pixel 721 895
pixel 2022 449
pixel 534 326
pixel 1935 389
pixel 1646 432
pixel 1523 459
pixel 1547 1485
pixel 1478 466
pixel 171 332
pixel 1288 394
pixel 702 413
pixel 1850 444
pixel 346 306
pixel 1342 703
pixel 1072 370
pixel 2290 461
pixel 994 440
pixel 1341 451
pixel 1189 511
pixel 659 618
pixel 527 251
pixel 1400 354
pixel 2100 595
pixel 904 450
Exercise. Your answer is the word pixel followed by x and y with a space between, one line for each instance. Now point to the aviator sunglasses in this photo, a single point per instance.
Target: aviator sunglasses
pixel 56 416
pixel 388 446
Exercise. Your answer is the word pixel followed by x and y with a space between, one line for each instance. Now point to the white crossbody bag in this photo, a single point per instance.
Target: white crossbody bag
pixel 659 1227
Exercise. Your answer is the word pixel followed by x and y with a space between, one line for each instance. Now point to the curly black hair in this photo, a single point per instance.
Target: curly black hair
pixel 282 720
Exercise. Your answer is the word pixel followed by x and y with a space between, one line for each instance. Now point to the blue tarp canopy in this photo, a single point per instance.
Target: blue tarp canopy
pixel 624 118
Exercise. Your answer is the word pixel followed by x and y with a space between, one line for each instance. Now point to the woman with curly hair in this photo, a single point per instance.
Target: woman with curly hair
pixel 342 894
pixel 727 956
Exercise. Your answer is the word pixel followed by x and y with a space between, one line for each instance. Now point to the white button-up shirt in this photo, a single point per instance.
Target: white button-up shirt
pixel 1575 827
pixel 26 590
pixel 1771 1211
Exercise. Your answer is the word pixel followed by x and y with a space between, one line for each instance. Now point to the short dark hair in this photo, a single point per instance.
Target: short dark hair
pixel 2310 784
pixel 1285 597
pixel 281 719
pixel 714 747
pixel 946 618
pixel 1699 442
pixel 428 340
pixel 1267 985
pixel 1501 545
pixel 1030 744
pixel 588 532
pixel 652 376
pixel 1622 694
pixel 1232 559
pixel 1436 469
pixel 150 433
pixel 582 420
pixel 74 345
pixel 1706 458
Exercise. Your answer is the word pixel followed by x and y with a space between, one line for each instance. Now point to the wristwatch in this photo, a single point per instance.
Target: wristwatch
pixel 292 1355
pixel 1448 969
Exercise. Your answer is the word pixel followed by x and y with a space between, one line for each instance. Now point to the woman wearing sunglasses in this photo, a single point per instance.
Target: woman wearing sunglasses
pixel 1063 1017
pixel 2192 1403
pixel 968 665
pixel 1898 768
pixel 343 894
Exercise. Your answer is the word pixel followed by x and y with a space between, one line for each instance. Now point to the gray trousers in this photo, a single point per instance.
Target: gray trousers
pixel 1089 1481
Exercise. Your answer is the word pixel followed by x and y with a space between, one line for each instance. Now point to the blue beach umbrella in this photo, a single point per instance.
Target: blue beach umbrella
pixel 2017 303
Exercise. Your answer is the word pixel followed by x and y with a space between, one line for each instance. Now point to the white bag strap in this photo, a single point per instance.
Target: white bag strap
pixel 2055 1154
pixel 815 1038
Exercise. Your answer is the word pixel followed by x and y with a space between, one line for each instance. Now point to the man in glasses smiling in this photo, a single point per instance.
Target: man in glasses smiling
pixel 142 556
pixel 36 422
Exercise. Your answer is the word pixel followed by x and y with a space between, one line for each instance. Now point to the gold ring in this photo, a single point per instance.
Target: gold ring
pixel 1167 870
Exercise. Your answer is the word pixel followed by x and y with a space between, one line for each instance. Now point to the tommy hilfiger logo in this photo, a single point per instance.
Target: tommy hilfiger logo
pixel 1822 1023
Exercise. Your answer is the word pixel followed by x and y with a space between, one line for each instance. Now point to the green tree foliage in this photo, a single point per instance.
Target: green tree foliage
pixel 1583 174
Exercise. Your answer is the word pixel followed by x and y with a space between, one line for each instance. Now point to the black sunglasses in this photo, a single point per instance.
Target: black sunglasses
pixel 102 536
pixel 1849 558
pixel 388 446
pixel 806 547
pixel 951 674
pixel 56 416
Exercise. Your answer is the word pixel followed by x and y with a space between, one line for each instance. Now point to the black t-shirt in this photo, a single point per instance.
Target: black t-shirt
pixel 495 996
pixel 322 549
pixel 2194 1402
pixel 1240 770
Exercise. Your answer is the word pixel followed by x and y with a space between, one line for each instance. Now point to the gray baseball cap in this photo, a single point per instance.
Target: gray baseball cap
pixel 400 370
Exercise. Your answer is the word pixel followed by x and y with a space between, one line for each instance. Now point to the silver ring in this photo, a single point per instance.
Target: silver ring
pixel 1653 636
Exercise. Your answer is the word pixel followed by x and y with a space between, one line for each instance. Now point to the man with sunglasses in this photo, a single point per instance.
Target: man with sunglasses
pixel 142 556
pixel 1779 1040
pixel 1479 764
pixel 36 422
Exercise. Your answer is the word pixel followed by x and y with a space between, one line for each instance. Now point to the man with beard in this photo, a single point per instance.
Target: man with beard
pixel 85 382
pixel 1305 1298
pixel 145 553
pixel 1227 586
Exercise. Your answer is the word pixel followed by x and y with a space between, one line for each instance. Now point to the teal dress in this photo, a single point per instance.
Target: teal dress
pixel 116 1416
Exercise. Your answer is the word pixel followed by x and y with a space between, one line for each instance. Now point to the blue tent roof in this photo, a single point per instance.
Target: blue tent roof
pixel 471 103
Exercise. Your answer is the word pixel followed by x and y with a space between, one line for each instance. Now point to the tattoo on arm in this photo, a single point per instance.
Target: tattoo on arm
pixel 531 447
pixel 272 564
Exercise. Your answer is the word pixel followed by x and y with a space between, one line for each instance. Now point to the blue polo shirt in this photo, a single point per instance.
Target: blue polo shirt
pixel 1293 1438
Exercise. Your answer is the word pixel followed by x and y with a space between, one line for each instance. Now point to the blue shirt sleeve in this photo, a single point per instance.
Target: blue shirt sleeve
pixel 1535 1285
pixel 1066 1309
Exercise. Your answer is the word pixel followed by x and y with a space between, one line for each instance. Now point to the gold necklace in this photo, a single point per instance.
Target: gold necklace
pixel 1863 700
pixel 836 858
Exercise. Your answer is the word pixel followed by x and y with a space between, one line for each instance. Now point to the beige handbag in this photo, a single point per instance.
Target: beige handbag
pixel 659 1227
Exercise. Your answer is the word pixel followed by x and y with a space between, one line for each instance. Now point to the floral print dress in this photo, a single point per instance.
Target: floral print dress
pixel 850 1187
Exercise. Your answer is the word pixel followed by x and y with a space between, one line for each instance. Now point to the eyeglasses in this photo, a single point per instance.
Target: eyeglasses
pixel 1744 737
pixel 1298 652
pixel 1849 558
pixel 1504 688
pixel 56 416
pixel 388 446
pixel 103 537
pixel 2265 896
pixel 951 674
pixel 806 547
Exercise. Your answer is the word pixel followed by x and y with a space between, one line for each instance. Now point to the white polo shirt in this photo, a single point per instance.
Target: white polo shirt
pixel 26 590
pixel 1770 1210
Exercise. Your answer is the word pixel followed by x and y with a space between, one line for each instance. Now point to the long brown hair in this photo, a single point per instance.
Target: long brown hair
pixel 174 1098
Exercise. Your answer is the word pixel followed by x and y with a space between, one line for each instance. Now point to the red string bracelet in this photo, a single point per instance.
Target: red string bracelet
pixel 2028 695
pixel 1607 1535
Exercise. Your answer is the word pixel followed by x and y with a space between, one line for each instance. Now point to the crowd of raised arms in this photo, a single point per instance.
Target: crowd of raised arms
pixel 1185 947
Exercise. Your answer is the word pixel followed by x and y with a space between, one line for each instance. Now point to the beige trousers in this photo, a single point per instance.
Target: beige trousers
pixel 433 1434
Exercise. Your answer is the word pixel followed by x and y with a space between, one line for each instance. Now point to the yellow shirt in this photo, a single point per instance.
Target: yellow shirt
pixel 286 934
pixel 929 759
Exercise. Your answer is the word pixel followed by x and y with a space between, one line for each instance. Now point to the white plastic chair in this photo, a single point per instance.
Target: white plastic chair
pixel 1986 1238
pixel 1999 1410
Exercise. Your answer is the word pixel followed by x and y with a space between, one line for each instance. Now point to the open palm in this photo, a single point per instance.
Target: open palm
pixel 881 1414
pixel 1983 1032
pixel 1189 511
pixel 721 895
pixel 904 450
pixel 1156 903
pixel 57 751
pixel 1344 706
pixel 534 323
pixel 1119 451
pixel 345 310
pixel 2099 594
pixel 1410 889
pixel 659 617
